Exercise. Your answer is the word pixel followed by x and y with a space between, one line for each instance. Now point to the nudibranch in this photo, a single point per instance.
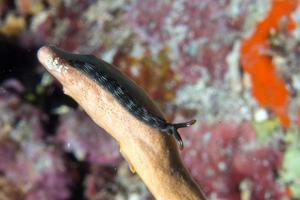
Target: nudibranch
pixel 133 98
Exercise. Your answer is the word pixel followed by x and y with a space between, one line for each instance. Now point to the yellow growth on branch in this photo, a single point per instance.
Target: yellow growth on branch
pixel 153 155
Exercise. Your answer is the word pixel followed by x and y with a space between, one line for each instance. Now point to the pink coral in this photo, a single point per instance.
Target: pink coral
pixel 194 30
pixel 24 159
pixel 221 156
pixel 20 119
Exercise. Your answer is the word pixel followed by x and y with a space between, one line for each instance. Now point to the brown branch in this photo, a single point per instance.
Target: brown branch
pixel 153 155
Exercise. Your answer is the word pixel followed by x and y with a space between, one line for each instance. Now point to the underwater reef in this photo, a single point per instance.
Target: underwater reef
pixel 233 65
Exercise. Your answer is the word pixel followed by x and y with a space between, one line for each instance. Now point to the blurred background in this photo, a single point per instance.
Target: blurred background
pixel 234 65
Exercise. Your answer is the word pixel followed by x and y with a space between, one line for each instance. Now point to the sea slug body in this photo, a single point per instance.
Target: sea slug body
pixel 125 91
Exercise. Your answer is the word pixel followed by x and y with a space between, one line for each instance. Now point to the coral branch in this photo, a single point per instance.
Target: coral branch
pixel 153 155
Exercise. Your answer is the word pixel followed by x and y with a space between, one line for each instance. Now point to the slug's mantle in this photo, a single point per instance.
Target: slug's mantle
pixel 154 156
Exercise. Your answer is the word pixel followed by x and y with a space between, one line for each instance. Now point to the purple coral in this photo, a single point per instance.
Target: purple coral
pixel 24 159
pixel 193 30
pixel 222 156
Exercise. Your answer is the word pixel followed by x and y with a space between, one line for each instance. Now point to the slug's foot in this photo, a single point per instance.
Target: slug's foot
pixel 172 130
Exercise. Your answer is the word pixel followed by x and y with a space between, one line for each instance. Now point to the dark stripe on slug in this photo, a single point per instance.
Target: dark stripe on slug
pixel 126 100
